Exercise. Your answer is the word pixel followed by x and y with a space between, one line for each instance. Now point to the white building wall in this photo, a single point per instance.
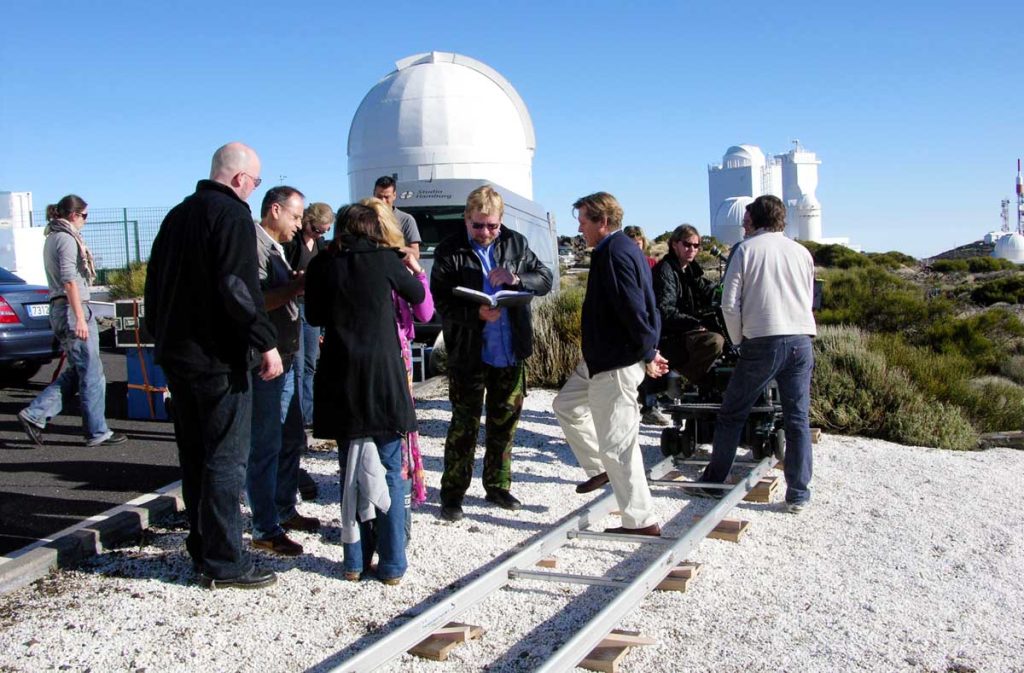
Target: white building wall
pixel 17 208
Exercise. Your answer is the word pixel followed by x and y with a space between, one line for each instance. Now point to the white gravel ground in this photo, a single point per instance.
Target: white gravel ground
pixel 910 559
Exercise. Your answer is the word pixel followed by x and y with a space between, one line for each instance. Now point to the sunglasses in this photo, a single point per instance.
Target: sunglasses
pixel 490 227
pixel 85 216
pixel 694 246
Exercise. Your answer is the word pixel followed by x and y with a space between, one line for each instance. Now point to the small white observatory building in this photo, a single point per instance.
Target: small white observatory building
pixel 441 115
pixel 746 173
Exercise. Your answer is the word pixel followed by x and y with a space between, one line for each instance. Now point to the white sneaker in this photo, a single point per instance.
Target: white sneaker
pixel 796 507
pixel 653 416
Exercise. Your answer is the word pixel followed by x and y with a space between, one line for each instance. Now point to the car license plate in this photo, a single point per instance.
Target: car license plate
pixel 39 310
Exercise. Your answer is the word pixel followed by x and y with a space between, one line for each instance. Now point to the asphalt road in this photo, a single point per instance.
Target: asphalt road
pixel 44 490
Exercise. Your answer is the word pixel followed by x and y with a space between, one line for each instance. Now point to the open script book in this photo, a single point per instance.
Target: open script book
pixel 502 298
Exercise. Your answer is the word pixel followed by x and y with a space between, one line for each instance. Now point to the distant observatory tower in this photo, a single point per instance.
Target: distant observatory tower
pixel 1010 245
pixel 799 181
pixel 441 115
pixel 746 173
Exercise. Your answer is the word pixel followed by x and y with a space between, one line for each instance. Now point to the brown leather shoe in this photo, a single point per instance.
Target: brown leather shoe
pixel 594 483
pixel 308 524
pixel 279 544
pixel 654 530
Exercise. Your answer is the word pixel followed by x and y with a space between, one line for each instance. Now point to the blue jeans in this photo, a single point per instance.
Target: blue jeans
pixel 305 365
pixel 789 359
pixel 212 424
pixel 83 370
pixel 278 439
pixel 384 534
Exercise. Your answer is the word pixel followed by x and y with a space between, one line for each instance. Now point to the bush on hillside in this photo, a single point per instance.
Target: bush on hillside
pixel 992 404
pixel 983 264
pixel 1009 289
pixel 972 264
pixel 949 265
pixel 878 300
pixel 127 283
pixel 986 338
pixel 892 259
pixel 855 391
pixel 840 257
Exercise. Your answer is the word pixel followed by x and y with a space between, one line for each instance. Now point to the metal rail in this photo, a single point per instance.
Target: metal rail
pixel 404 638
pixel 601 624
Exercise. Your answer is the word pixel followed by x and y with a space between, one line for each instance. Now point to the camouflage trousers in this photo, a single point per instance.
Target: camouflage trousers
pixel 505 388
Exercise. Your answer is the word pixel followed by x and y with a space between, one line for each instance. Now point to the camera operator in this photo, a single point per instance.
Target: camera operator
pixel 766 303
pixel 684 298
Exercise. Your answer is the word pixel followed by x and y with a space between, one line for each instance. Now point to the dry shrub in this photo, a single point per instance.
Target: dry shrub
pixel 992 404
pixel 127 283
pixel 856 392
pixel 556 337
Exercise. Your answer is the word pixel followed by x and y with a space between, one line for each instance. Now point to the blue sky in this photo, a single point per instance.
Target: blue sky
pixel 914 108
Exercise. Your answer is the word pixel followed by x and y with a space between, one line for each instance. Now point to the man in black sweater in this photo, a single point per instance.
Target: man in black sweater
pixel 205 310
pixel 597 407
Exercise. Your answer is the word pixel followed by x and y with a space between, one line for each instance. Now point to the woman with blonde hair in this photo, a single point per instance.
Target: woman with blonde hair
pixel 636 234
pixel 361 398
pixel 405 315
pixel 317 220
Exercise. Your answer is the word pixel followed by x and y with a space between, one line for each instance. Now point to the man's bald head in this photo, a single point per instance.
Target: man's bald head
pixel 237 166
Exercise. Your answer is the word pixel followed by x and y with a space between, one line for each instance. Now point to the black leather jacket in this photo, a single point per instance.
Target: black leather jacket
pixel 682 295
pixel 455 264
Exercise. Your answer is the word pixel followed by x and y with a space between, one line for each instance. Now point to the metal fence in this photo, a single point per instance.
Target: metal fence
pixel 117 236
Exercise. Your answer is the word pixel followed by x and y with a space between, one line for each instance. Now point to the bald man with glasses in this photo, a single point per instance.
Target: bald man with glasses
pixel 487 347
pixel 205 309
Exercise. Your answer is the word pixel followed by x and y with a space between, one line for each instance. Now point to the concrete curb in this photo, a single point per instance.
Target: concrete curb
pixel 74 544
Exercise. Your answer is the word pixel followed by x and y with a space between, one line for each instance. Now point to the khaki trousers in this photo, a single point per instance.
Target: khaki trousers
pixel 601 421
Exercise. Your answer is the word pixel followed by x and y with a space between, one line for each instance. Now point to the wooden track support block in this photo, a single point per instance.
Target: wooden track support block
pixel 673 475
pixel 549 562
pixel 607 655
pixel 439 644
pixel 679 578
pixel 730 530
pixel 815 435
pixel 764 490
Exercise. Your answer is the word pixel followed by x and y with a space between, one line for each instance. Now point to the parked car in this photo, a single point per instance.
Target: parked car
pixel 26 340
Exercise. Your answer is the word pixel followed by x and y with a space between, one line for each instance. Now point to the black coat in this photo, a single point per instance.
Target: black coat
pixel 360 388
pixel 683 295
pixel 293 253
pixel 203 304
pixel 455 264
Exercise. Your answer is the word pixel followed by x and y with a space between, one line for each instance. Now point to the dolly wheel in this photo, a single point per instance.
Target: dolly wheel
pixel 778 442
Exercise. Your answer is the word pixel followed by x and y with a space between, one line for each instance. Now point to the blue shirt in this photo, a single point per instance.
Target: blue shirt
pixel 497 335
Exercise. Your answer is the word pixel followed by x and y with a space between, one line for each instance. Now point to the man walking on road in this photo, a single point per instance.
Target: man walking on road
pixel 205 310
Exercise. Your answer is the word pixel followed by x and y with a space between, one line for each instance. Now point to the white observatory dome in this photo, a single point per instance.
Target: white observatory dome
pixel 728 224
pixel 441 115
pixel 743 155
pixel 1011 247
